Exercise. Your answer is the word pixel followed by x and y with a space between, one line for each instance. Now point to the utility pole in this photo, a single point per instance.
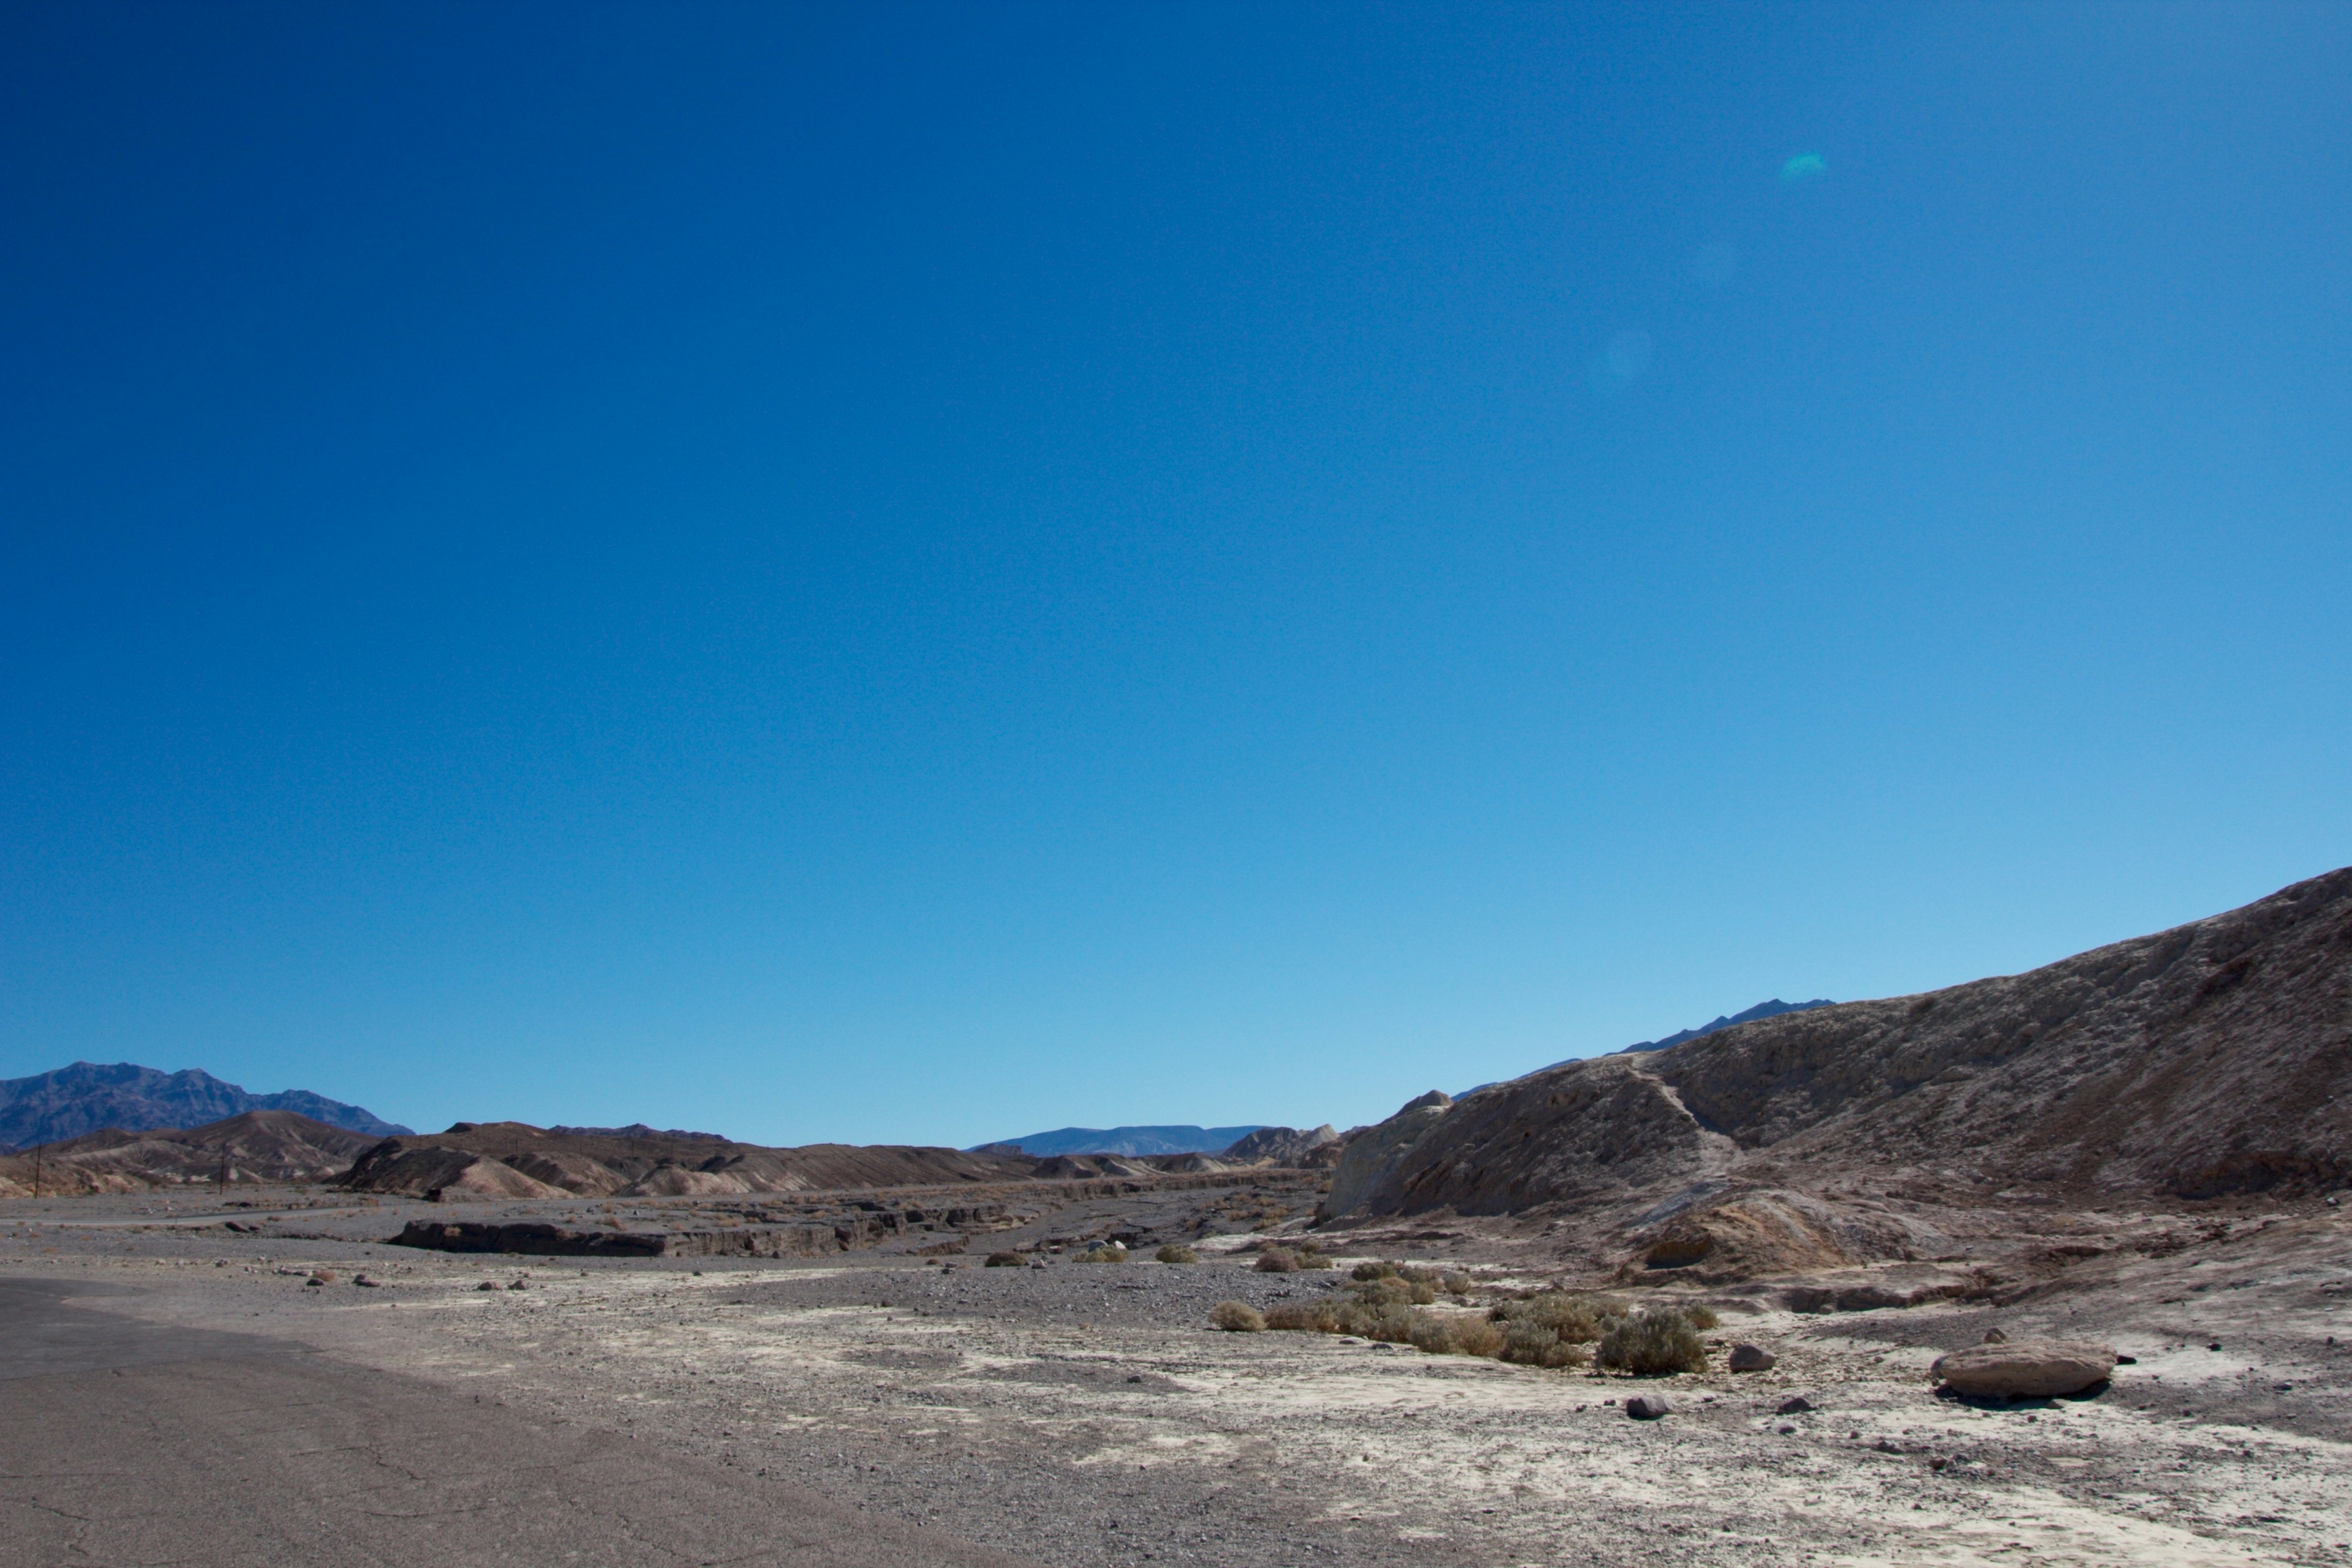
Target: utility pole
pixel 36 1169
pixel 223 1172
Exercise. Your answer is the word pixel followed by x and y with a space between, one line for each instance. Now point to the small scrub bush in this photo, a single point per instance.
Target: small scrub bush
pixel 1310 1317
pixel 1455 1283
pixel 1177 1255
pixel 1005 1261
pixel 1526 1344
pixel 1446 1335
pixel 1277 1260
pixel 1397 1292
pixel 1103 1255
pixel 1652 1344
pixel 1703 1318
pixel 1373 1271
pixel 1237 1317
pixel 1573 1319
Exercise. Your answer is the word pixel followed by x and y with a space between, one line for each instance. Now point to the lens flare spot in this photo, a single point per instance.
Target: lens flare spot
pixel 1803 167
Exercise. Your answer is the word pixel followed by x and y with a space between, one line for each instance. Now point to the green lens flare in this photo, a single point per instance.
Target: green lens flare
pixel 1803 167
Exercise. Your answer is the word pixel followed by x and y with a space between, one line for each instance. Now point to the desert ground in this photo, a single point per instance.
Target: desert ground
pixel 1067 1412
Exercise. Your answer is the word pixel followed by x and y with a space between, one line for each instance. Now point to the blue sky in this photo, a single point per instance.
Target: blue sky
pixel 916 573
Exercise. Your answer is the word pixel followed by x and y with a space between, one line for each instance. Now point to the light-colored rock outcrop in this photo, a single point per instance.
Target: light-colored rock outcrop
pixel 1371 1156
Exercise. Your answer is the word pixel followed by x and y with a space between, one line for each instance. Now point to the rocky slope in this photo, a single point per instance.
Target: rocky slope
pixel 1281 1145
pixel 88 1098
pixel 513 1160
pixel 2213 1059
pixel 258 1146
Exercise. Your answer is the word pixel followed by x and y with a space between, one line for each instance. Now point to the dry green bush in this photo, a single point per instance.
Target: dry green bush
pixel 1277 1260
pixel 1103 1255
pixel 1454 1284
pixel 1373 1271
pixel 1310 1317
pixel 1313 1257
pixel 1395 1292
pixel 1658 1342
pixel 1702 1317
pixel 1172 1254
pixel 1236 1317
pixel 1573 1320
pixel 1005 1260
pixel 1526 1344
pixel 1446 1335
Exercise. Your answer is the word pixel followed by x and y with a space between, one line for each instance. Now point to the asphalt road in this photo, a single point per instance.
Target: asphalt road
pixel 123 1443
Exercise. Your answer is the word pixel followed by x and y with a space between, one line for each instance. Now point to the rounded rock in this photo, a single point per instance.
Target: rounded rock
pixel 2026 1368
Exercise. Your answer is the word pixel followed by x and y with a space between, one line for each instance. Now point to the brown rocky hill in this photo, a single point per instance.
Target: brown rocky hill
pixel 1280 1145
pixel 514 1160
pixel 258 1146
pixel 2213 1059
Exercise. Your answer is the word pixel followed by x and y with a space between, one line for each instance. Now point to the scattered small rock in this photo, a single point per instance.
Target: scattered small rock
pixel 1647 1407
pixel 1752 1358
pixel 1995 1337
pixel 489 1285
pixel 363 1283
pixel 519 1285
pixel 1795 1405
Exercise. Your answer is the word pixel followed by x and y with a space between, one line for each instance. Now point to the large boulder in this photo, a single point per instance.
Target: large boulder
pixel 2026 1368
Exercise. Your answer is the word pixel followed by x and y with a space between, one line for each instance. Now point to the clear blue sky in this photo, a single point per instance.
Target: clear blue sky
pixel 926 573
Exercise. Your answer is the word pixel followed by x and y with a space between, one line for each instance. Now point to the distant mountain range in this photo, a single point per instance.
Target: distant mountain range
pixel 1771 1009
pixel 85 1098
pixel 1123 1141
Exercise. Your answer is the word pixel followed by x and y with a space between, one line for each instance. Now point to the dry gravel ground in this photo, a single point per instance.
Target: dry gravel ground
pixel 1085 1414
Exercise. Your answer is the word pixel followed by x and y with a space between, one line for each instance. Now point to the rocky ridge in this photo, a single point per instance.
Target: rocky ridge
pixel 2211 1059
pixel 257 1146
pixel 86 1098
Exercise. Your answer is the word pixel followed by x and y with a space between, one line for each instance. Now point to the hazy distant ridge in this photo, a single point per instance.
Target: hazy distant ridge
pixel 86 1097
pixel 1771 1009
pixel 1127 1141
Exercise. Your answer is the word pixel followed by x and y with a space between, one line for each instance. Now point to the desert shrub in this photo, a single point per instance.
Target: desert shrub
pixel 1236 1317
pixel 1656 1342
pixel 1103 1255
pixel 1445 1334
pixel 1573 1320
pixel 1277 1260
pixel 1005 1261
pixel 1373 1271
pixel 1532 1344
pixel 1177 1255
pixel 1454 1284
pixel 1702 1317
pixel 1376 1321
pixel 1314 1258
pixel 1268 1222
pixel 1310 1317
